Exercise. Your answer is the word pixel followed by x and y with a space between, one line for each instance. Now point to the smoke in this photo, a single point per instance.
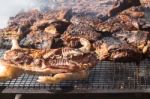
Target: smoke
pixel 10 8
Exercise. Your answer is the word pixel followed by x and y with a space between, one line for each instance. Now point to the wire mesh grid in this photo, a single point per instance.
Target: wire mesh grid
pixel 106 75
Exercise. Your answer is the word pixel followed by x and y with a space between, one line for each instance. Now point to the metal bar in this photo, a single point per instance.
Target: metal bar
pixel 75 91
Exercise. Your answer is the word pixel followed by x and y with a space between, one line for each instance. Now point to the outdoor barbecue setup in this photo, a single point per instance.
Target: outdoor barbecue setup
pixel 83 46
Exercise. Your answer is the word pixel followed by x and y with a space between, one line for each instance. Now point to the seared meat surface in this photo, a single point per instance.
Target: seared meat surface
pixel 60 14
pixel 113 49
pixel 140 15
pixel 136 29
pixel 63 42
pixel 38 39
pixel 88 20
pixel 35 29
pixel 128 20
pixel 38 60
pixel 24 19
pixel 116 24
pixel 63 62
pixel 120 5
pixel 43 38
pixel 73 32
pixel 136 38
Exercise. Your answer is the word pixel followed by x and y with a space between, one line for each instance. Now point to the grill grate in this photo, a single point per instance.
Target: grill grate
pixel 105 76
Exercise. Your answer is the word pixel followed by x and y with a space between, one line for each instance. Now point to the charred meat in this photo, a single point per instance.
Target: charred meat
pixel 60 14
pixel 115 50
pixel 44 36
pixel 61 61
pixel 25 19
pixel 33 29
pixel 88 20
pixel 137 38
pixel 37 39
pixel 119 23
pixel 140 15
pixel 121 5
pixel 71 35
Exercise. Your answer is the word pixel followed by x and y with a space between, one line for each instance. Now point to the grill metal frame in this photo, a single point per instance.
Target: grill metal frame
pixel 106 77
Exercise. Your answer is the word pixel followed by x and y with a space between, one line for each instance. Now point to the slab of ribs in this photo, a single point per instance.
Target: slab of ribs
pixel 65 44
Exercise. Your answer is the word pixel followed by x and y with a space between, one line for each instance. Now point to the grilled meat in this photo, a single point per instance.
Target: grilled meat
pixel 42 38
pixel 22 22
pixel 88 20
pixel 60 14
pixel 58 25
pixel 115 50
pixel 38 39
pixel 140 16
pixel 71 35
pixel 53 17
pixel 133 19
pixel 24 19
pixel 60 61
pixel 119 23
pixel 36 29
pixel 7 71
pixel 137 38
pixel 130 28
pixel 38 60
pixel 137 31
pixel 121 5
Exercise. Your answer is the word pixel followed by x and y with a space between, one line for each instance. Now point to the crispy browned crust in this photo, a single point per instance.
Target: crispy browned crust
pixel 9 71
pixel 86 19
pixel 74 32
pixel 115 50
pixel 63 77
pixel 121 5
pixel 50 61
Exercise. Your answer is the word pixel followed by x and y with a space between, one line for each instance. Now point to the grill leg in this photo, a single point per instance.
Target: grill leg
pixel 18 96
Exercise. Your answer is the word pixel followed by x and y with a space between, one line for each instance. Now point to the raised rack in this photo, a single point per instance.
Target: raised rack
pixel 106 77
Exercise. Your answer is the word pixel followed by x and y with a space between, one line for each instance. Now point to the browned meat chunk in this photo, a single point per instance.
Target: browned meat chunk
pixel 133 19
pixel 38 39
pixel 115 50
pixel 61 61
pixel 36 29
pixel 121 5
pixel 88 20
pixel 43 38
pixel 25 19
pixel 60 14
pixel 140 15
pixel 71 35
pixel 137 31
pixel 119 23
pixel 35 59
pixel 136 38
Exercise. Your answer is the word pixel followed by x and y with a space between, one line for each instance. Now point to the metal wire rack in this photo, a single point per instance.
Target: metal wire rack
pixel 106 77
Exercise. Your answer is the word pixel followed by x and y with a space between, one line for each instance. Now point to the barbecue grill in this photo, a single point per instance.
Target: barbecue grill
pixel 106 77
